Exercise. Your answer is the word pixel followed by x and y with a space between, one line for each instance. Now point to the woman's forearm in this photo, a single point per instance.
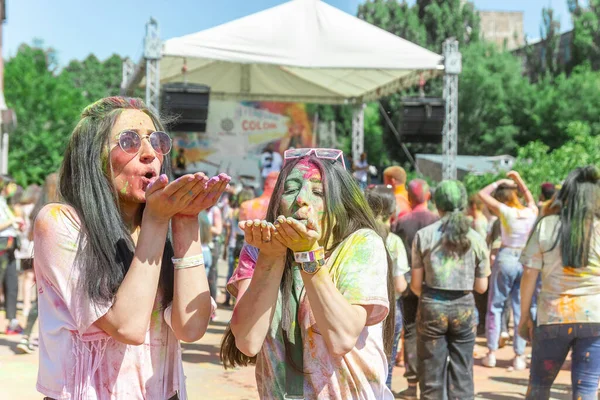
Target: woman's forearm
pixel 129 316
pixel 254 309
pixel 528 284
pixel 339 322
pixel 191 296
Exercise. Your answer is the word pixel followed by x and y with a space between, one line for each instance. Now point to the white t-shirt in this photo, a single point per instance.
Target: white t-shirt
pixel 361 176
pixel 270 162
pixel 515 225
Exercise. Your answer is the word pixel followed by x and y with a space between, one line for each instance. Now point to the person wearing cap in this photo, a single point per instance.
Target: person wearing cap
pixel 450 261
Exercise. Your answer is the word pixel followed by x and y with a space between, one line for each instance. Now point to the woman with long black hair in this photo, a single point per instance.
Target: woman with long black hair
pixel 564 248
pixel 453 260
pixel 119 261
pixel 313 287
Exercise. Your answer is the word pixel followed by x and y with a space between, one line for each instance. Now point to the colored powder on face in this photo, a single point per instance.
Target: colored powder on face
pixel 124 188
pixel 309 169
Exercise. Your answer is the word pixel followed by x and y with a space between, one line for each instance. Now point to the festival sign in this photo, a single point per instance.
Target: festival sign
pixel 237 132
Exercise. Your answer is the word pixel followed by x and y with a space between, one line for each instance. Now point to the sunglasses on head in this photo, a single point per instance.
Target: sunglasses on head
pixel 327 154
pixel 131 142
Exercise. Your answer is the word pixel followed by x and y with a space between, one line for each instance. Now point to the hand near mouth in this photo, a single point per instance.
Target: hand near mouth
pixel 208 195
pixel 260 234
pixel 297 235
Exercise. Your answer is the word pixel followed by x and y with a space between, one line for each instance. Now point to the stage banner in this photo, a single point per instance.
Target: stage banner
pixel 236 134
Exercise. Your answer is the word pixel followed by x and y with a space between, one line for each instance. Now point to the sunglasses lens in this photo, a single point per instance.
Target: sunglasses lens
pixel 130 142
pixel 161 142
pixel 296 153
pixel 328 153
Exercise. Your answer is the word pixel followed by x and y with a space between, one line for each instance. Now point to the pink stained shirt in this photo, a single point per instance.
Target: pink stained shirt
pixel 77 359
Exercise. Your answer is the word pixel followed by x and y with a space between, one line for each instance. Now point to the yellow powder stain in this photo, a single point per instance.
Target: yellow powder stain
pixel 570 330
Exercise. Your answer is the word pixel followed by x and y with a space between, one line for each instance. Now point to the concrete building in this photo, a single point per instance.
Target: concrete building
pixel 503 28
pixel 430 165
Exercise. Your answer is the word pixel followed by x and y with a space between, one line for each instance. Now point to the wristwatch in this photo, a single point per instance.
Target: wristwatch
pixel 310 261
pixel 312 267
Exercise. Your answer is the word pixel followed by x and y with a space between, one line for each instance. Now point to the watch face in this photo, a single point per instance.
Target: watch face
pixel 312 267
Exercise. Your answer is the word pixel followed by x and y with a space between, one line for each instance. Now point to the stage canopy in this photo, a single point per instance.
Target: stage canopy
pixel 301 51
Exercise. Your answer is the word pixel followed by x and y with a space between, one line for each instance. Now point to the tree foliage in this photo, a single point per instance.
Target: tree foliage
pixel 538 163
pixel 47 107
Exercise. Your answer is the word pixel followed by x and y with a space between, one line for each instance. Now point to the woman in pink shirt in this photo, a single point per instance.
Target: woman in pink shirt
pixel 117 288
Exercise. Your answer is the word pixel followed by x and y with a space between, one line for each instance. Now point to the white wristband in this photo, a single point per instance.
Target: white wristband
pixel 188 262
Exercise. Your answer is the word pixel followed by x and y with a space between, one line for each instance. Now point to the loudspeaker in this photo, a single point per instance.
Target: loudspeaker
pixel 188 103
pixel 422 120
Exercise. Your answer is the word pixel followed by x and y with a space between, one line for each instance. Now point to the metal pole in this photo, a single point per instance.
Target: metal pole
pixel 358 131
pixel 152 54
pixel 453 67
pixel 4 167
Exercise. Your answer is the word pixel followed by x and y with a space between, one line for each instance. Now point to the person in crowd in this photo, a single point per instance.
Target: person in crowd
pixel 452 259
pixel 547 192
pixel 115 286
pixel 360 170
pixel 236 236
pixel 48 194
pixel 478 222
pixel 9 232
pixel 565 249
pixel 257 208
pixel 215 217
pixel 407 227
pixel 516 222
pixel 395 177
pixel 382 201
pixel 23 207
pixel 270 161
pixel 314 288
pixel 477 218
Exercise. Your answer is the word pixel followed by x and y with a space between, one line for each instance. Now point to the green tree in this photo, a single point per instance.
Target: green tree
pixel 493 101
pixel 94 78
pixel 586 32
pixel 47 107
pixel 537 163
pixel 396 17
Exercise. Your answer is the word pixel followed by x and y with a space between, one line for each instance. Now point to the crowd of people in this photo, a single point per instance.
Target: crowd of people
pixel 332 282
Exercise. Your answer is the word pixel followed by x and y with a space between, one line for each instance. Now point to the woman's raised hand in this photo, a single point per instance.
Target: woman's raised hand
pixel 165 199
pixel 208 197
pixel 295 235
pixel 260 234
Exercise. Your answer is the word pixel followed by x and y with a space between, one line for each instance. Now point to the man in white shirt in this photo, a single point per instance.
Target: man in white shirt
pixel 270 161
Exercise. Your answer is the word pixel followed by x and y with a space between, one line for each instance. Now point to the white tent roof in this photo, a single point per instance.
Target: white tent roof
pixel 302 50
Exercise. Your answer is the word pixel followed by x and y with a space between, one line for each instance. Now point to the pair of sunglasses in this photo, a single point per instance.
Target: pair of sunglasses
pixel 131 142
pixel 327 154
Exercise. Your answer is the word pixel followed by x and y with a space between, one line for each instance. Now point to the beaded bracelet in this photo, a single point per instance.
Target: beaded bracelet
pixel 188 262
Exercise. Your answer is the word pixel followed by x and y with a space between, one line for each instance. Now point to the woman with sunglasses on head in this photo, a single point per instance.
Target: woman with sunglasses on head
pixel 453 261
pixel 313 287
pixel 564 248
pixel 119 262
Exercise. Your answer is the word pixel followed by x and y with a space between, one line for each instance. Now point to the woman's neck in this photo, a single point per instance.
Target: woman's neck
pixel 132 216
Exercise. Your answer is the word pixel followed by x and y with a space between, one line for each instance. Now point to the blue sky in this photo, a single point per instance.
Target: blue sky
pixel 76 28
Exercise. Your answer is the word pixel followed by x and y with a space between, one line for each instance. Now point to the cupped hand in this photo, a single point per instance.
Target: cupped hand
pixel 208 197
pixel 259 233
pixel 296 235
pixel 164 199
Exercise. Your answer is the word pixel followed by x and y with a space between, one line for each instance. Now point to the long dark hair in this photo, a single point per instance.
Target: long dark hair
pixel 382 201
pixel 579 204
pixel 451 197
pixel 85 184
pixel 346 211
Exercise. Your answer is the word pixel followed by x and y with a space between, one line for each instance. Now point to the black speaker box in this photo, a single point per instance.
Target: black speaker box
pixel 188 103
pixel 422 120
